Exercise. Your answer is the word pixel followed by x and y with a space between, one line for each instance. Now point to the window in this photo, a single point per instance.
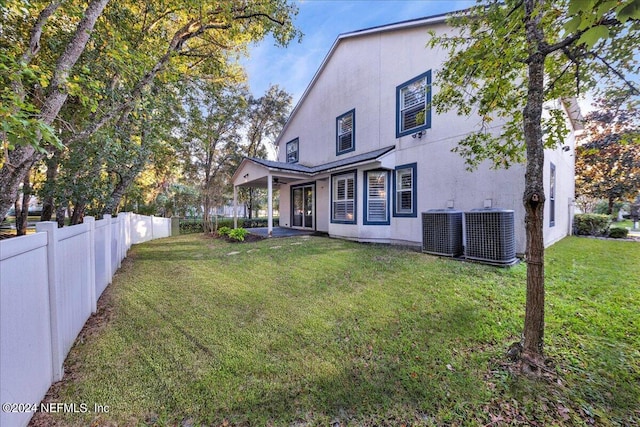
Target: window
pixel 292 151
pixel 413 105
pixel 552 195
pixel 346 132
pixel 404 202
pixel 376 200
pixel 343 198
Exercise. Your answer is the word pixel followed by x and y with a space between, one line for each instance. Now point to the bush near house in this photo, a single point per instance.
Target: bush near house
pixel 618 233
pixel 238 234
pixel 224 231
pixel 592 224
pixel 189 226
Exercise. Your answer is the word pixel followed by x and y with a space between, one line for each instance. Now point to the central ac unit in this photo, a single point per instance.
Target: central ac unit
pixel 442 232
pixel 490 236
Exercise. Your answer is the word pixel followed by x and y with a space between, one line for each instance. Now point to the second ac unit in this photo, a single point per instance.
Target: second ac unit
pixel 490 236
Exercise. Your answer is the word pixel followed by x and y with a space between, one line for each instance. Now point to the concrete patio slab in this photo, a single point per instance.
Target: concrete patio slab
pixel 280 232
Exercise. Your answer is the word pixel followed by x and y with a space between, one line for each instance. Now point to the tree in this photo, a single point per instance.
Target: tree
pixel 18 162
pixel 608 162
pixel 266 117
pixel 212 138
pixel 506 61
pixel 135 45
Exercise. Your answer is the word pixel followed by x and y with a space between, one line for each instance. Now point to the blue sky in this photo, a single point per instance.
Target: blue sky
pixel 321 21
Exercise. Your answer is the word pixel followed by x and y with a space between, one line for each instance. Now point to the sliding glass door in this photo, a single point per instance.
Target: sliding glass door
pixel 303 206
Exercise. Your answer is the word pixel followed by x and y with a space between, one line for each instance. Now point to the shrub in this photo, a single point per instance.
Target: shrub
pixel 618 232
pixel 238 234
pixel 592 224
pixel 188 226
pixel 224 231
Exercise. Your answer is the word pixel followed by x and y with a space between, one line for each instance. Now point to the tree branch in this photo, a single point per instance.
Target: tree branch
pixel 634 89
pixel 36 31
pixel 574 37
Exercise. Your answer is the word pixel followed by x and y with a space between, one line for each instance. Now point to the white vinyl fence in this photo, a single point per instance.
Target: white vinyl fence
pixel 50 283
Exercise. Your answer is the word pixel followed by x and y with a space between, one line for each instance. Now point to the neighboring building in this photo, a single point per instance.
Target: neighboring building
pixel 363 154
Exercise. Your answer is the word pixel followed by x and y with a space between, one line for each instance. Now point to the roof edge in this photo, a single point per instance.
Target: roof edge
pixel 315 170
pixel 416 22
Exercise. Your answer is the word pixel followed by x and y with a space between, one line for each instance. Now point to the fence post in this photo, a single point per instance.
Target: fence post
pixel 128 231
pixel 107 247
pixel 175 226
pixel 91 221
pixel 122 244
pixel 57 353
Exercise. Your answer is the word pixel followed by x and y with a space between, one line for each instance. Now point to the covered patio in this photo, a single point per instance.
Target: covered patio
pixel 262 173
pixel 259 173
pixel 279 232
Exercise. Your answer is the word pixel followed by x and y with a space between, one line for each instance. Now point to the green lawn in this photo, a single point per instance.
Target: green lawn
pixel 627 223
pixel 316 331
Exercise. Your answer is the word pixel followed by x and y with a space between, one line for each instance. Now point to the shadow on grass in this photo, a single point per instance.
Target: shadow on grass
pixel 395 371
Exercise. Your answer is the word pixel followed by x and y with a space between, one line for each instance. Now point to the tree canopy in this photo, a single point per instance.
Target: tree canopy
pixel 69 69
pixel 608 161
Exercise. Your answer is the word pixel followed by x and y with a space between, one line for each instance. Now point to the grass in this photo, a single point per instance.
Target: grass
pixel 316 331
pixel 626 223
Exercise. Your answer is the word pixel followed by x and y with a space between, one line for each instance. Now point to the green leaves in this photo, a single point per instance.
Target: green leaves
pixel 486 74
pixel 628 10
pixel 588 17
pixel 593 35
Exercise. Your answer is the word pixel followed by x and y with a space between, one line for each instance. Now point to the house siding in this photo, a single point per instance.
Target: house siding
pixel 362 72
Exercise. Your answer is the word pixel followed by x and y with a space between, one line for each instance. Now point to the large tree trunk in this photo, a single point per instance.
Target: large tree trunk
pixel 17 166
pixel 48 200
pixel 22 208
pixel 125 182
pixel 206 216
pixel 21 159
pixel 610 206
pixel 534 193
pixel 78 212
pixel 60 214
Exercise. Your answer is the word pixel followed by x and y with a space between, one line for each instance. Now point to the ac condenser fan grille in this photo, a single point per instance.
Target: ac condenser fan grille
pixel 490 236
pixel 442 232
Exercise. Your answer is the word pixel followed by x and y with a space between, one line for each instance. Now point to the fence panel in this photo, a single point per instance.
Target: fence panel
pixel 141 228
pixel 116 225
pixel 161 227
pixel 25 328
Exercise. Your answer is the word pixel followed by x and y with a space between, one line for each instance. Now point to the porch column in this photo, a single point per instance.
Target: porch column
pixel 269 205
pixel 235 207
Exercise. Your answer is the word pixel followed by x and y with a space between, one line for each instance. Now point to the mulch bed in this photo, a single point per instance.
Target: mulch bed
pixel 247 239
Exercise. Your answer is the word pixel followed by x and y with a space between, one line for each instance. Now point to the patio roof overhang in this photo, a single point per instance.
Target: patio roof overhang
pixel 263 173
pixel 254 172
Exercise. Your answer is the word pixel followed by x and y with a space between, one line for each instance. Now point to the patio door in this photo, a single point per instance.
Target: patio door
pixel 303 206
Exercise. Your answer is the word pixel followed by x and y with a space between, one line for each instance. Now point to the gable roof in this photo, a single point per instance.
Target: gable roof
pixel 411 23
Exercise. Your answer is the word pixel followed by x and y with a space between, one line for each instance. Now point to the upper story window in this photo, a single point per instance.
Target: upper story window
pixel 346 132
pixel 292 151
pixel 413 101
